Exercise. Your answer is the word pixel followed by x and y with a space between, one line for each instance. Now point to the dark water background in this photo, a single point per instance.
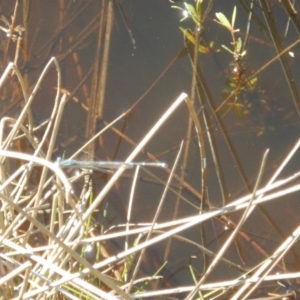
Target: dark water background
pixel 155 27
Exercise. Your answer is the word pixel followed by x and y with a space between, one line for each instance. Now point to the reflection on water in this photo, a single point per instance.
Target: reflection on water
pixel 243 94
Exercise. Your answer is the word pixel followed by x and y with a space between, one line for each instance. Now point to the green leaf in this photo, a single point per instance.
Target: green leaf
pixel 233 17
pixel 238 46
pixel 184 18
pixel 263 101
pixel 203 49
pixel 188 35
pixel 199 8
pixel 227 49
pixel 192 12
pixel 238 109
pixel 223 21
pixel 236 104
pixel 253 80
pixel 190 8
pixel 177 7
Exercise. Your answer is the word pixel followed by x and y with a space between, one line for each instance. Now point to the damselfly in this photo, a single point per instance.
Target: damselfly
pixel 103 166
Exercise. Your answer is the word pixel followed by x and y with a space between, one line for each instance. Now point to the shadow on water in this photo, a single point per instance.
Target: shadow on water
pixel 110 53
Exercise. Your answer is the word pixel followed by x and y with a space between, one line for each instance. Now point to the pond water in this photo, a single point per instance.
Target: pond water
pixel 143 73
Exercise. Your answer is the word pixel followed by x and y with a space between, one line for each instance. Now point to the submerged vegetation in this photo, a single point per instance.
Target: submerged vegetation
pixel 220 221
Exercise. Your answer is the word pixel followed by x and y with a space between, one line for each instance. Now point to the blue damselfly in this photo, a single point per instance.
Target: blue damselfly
pixel 103 166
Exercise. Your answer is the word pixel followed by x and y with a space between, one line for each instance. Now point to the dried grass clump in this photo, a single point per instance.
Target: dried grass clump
pixel 58 257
